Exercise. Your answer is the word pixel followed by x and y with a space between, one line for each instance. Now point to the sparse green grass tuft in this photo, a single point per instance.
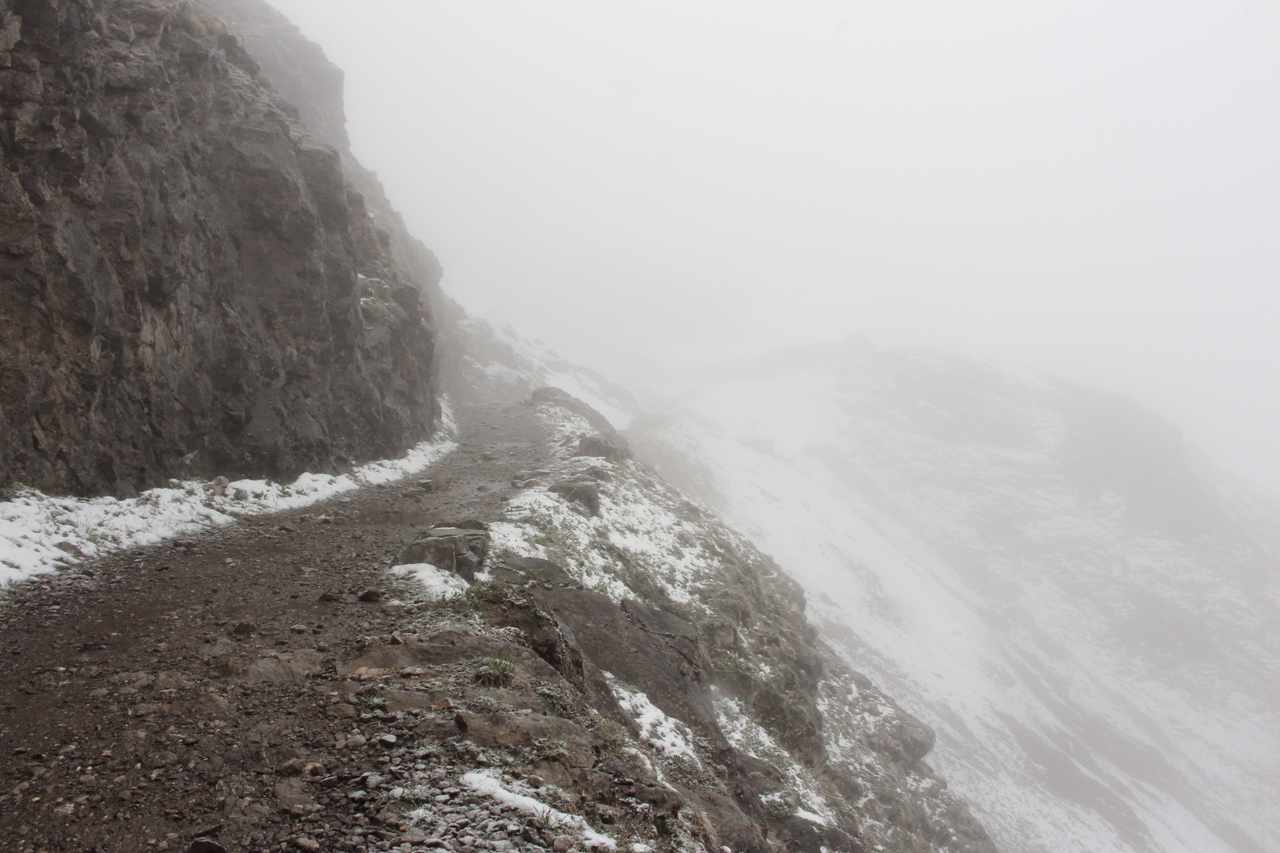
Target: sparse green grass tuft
pixel 488 592
pixel 497 671
pixel 553 746
pixel 552 822
pixel 615 736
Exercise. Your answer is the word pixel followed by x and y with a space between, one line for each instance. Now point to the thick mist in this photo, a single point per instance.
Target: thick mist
pixel 1090 188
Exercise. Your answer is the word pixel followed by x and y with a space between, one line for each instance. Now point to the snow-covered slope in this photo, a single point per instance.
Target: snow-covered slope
pixel 1082 608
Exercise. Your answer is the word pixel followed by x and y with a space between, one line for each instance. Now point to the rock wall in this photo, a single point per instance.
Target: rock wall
pixel 193 284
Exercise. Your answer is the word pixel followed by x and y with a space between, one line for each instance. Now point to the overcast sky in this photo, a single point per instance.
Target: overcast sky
pixel 1090 187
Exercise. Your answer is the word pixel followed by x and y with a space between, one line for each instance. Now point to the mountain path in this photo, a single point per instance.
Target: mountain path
pixel 124 700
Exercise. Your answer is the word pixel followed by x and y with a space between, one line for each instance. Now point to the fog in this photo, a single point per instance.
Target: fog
pixel 1091 187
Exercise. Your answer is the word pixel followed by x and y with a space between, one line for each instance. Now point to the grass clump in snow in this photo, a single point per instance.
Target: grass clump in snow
pixel 488 592
pixel 615 736
pixel 497 671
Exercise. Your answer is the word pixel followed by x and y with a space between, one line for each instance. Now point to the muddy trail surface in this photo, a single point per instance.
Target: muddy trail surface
pixel 174 697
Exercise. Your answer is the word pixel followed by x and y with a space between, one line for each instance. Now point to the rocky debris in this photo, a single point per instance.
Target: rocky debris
pixel 194 285
pixel 144 674
pixel 285 667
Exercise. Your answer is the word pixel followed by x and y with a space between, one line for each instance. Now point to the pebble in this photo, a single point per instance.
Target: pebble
pixel 204 845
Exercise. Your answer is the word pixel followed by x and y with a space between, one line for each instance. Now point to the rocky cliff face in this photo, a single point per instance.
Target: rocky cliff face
pixel 193 283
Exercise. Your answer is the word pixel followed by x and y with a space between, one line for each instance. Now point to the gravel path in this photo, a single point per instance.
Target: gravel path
pixel 178 692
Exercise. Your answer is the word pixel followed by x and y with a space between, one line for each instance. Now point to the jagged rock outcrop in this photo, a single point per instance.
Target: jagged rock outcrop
pixel 192 283
pixel 299 70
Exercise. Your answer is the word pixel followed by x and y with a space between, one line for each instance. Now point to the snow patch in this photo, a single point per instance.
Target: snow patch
pixel 748 736
pixel 485 783
pixel 40 533
pixel 437 584
pixel 666 734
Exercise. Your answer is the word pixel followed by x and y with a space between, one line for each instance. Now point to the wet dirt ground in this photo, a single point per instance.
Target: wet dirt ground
pixel 120 728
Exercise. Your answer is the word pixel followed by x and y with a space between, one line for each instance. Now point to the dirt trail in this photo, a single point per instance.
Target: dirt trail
pixel 118 728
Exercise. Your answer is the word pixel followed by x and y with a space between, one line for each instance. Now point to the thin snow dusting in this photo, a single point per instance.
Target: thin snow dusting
pixel 643 525
pixel 980 541
pixel 40 533
pixel 503 364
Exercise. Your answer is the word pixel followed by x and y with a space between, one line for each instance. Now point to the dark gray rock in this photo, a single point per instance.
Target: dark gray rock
pixel 584 493
pixel 457 548
pixel 565 400
pixel 180 260
pixel 805 836
pixel 615 450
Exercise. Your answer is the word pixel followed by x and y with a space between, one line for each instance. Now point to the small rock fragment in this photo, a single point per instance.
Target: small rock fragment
pixel 160 759
pixel 370 595
pixel 205 845
pixel 292 796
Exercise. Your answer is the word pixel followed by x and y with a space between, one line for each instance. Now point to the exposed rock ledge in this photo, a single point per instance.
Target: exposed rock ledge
pixel 191 284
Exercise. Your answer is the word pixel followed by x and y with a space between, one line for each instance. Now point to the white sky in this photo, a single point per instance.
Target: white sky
pixel 1090 187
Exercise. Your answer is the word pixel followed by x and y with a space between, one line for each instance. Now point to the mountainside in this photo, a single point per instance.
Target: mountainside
pixel 204 282
pixel 879 563
pixel 193 284
pixel 1084 609
pixel 539 646
pixel 747 713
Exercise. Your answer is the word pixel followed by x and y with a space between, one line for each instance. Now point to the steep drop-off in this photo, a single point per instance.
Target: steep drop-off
pixel 1082 607
pixel 192 285
pixel 203 281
